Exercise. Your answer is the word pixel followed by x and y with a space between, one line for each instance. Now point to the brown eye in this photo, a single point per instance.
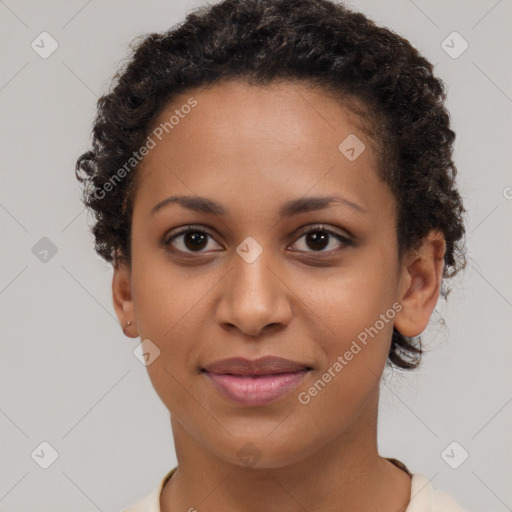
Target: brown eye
pixel 189 240
pixel 318 238
pixel 195 240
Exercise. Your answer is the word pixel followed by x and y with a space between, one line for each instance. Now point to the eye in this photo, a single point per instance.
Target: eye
pixel 319 237
pixel 192 239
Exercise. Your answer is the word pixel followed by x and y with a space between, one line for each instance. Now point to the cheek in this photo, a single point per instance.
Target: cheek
pixel 355 314
pixel 164 295
pixel 355 345
pixel 351 301
pixel 172 311
pixel 157 309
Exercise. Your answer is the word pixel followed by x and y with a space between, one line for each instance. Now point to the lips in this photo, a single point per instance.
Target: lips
pixel 257 382
pixel 268 365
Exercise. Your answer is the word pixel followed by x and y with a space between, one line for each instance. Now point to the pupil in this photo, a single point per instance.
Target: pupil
pixel 197 239
pixel 318 239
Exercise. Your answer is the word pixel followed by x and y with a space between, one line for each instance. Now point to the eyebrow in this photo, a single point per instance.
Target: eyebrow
pixel 288 209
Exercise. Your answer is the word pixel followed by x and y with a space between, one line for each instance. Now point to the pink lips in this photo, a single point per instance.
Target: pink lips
pixel 255 382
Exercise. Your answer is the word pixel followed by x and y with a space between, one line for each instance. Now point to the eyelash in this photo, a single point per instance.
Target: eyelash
pixel 346 242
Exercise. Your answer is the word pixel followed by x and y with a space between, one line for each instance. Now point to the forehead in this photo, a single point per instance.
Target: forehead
pixel 262 145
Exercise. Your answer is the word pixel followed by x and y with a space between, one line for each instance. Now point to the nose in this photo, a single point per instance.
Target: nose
pixel 254 298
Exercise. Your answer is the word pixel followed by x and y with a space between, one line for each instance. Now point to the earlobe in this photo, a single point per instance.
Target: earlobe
pixel 420 285
pixel 123 300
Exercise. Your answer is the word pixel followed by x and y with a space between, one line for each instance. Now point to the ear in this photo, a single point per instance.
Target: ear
pixel 420 285
pixel 122 298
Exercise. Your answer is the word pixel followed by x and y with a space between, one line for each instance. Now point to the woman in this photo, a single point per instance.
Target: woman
pixel 273 185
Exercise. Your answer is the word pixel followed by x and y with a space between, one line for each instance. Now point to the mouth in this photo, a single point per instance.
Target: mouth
pixel 257 382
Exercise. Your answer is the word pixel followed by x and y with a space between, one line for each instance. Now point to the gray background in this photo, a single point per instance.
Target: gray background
pixel 68 375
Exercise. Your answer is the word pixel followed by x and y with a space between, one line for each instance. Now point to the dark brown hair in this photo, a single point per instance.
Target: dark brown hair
pixel 314 41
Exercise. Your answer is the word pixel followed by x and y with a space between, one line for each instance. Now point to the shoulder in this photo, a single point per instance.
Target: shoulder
pixel 424 498
pixel 151 503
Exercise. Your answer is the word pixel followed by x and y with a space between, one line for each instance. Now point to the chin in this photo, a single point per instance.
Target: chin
pixel 262 452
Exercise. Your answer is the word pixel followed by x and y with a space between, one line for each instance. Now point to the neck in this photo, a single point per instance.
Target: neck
pixel 345 474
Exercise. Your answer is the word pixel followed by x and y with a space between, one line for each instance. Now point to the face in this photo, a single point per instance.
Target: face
pixel 265 266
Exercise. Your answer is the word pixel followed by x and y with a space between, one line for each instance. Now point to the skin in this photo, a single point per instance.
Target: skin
pixel 252 148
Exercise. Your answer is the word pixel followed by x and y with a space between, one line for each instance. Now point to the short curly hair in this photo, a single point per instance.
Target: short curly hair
pixel 374 71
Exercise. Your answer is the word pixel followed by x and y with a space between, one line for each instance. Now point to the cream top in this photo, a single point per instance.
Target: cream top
pixel 424 498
